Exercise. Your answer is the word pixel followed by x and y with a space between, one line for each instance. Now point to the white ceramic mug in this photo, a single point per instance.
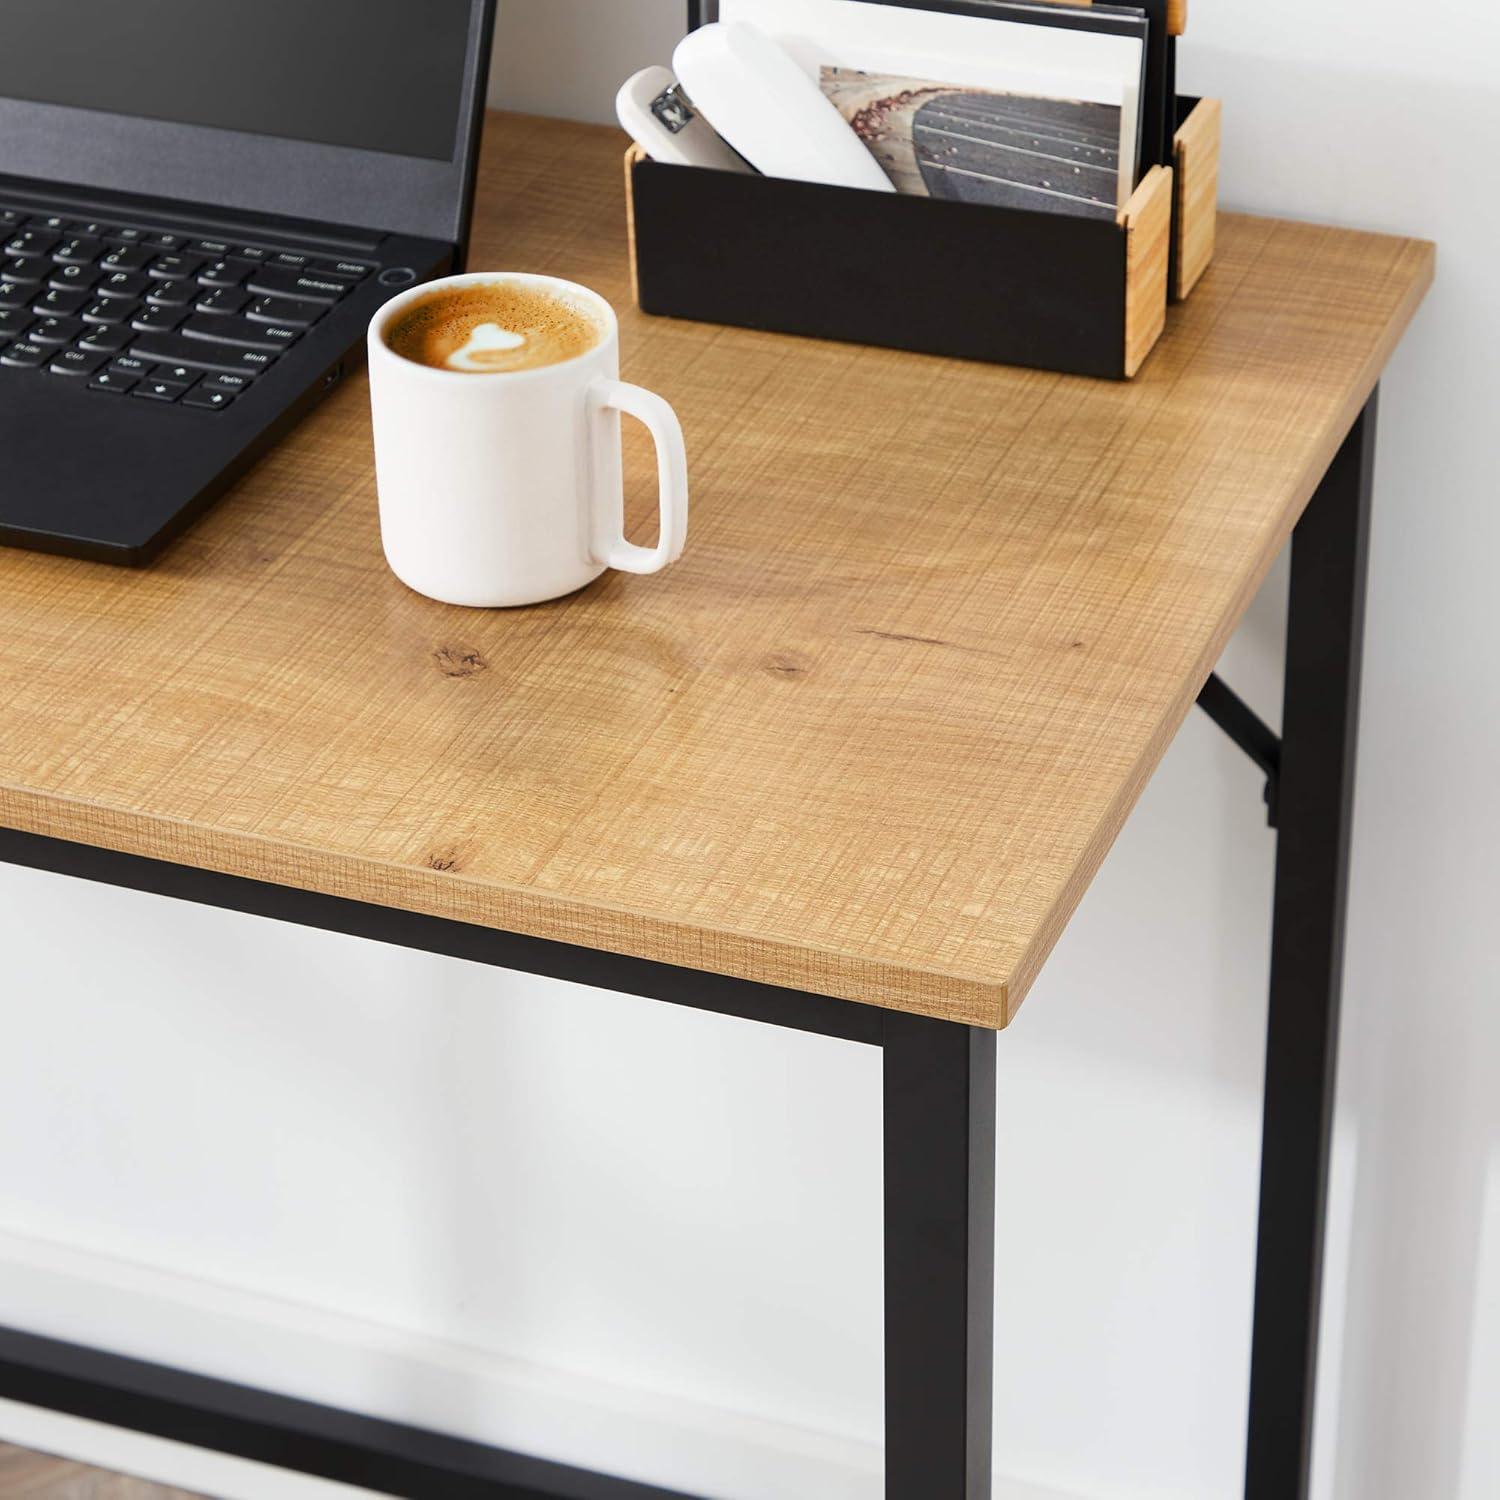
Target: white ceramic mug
pixel 499 490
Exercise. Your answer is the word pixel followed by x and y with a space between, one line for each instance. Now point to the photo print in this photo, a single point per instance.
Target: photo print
pixel 975 145
pixel 1063 83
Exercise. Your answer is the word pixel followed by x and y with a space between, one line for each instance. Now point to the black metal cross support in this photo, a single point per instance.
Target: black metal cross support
pixel 387 1457
pixel 1325 639
pixel 1249 731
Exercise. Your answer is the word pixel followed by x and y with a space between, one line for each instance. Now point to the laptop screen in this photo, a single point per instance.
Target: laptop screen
pixel 373 75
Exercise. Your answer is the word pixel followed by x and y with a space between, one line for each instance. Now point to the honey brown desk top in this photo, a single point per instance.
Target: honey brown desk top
pixel 936 626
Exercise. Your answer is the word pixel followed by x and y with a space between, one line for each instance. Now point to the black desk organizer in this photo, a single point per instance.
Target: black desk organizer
pixel 972 281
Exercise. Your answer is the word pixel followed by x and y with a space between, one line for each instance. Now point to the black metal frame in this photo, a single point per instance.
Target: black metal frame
pixel 939 1133
pixel 1310 792
pixel 1249 731
pixel 387 1457
pixel 1320 733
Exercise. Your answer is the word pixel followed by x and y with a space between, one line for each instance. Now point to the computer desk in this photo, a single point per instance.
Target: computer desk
pixel 847 769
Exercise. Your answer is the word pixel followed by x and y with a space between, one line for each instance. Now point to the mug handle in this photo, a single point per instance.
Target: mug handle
pixel 671 454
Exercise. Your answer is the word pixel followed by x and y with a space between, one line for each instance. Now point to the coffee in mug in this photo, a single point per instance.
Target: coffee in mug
pixel 497 404
pixel 494 327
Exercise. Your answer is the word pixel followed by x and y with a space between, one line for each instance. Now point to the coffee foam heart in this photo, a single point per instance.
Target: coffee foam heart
pixel 484 351
pixel 493 328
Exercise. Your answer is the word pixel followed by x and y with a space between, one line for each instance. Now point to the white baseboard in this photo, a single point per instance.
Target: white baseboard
pixel 191 1469
pixel 86 1298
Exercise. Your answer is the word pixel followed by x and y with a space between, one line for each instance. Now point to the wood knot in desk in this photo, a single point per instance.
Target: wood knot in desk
pixel 786 664
pixel 458 662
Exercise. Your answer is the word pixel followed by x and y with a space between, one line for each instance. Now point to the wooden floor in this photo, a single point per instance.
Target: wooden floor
pixel 37 1476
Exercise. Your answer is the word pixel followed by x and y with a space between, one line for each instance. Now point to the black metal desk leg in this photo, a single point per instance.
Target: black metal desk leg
pixel 939 1258
pixel 1324 648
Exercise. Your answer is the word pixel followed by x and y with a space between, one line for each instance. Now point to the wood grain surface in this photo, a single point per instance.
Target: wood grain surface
pixel 25 1475
pixel 936 626
pixel 1147 220
pixel 1196 147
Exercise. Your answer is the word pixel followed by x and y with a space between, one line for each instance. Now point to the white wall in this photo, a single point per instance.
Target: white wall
pixel 649 1239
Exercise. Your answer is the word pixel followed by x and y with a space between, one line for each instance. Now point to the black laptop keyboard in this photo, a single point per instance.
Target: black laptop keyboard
pixel 174 318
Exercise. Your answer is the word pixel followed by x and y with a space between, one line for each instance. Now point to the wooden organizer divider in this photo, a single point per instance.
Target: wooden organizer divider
pixel 1147 221
pixel 1196 216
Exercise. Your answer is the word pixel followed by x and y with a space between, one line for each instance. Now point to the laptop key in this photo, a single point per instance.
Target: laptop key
pixel 108 312
pixel 226 300
pixel 55 333
pixel 51 223
pixel 207 400
pixel 241 332
pixel 77 362
pixel 230 384
pixel 93 228
pixel 132 365
pixel 73 278
pixel 181 294
pixel 176 267
pixel 14 322
pixel 179 373
pixel 213 249
pixel 349 268
pixel 164 241
pixel 269 281
pixel 122 284
pixel 79 250
pixel 106 340
pixel 227 273
pixel 55 304
pixel 24 355
pixel 13 295
pixel 284 311
pixel 221 359
pixel 31 242
pixel 112 382
pixel 32 269
pixel 249 252
pixel 126 238
pixel 158 319
pixel 127 258
pixel 161 390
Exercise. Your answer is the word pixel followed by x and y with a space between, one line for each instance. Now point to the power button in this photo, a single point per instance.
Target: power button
pixel 397 276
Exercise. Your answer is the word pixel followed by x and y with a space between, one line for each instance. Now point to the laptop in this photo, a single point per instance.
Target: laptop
pixel 201 208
